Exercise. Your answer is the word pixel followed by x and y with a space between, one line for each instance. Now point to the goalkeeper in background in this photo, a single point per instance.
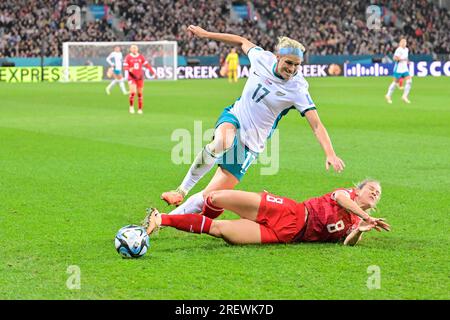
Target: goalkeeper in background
pixel 232 61
pixel 115 60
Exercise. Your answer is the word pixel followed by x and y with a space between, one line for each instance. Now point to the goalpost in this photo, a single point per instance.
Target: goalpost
pixel 86 61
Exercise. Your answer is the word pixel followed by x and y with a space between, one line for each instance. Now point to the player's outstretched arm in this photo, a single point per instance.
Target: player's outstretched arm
pixel 348 204
pixel 110 61
pixel 322 136
pixel 152 71
pixel 223 37
pixel 355 236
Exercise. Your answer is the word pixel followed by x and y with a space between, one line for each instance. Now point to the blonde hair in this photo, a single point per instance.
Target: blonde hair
pixel 286 42
pixel 361 184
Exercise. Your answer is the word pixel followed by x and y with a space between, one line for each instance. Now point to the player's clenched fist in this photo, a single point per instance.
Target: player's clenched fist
pixel 197 31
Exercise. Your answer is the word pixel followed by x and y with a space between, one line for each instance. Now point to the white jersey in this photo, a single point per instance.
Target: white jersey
pixel 115 60
pixel 266 98
pixel 401 66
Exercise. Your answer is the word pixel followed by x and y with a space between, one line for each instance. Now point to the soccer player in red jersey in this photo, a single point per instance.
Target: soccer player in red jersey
pixel 339 216
pixel 133 63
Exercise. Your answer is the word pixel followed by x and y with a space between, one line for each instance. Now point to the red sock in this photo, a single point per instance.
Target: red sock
pixel 187 222
pixel 131 99
pixel 140 101
pixel 211 211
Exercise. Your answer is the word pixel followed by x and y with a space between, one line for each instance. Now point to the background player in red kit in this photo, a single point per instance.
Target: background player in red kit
pixel 339 216
pixel 133 63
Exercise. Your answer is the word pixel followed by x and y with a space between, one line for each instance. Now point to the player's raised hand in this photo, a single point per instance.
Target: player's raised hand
pixel 197 31
pixel 336 162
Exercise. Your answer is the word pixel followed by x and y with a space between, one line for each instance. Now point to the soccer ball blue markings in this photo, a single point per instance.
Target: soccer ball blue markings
pixel 132 241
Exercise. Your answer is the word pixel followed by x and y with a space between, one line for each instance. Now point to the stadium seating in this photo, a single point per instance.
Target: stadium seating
pixel 31 27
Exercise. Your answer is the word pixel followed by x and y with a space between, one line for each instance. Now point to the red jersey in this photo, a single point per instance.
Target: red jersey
pixel 133 64
pixel 327 221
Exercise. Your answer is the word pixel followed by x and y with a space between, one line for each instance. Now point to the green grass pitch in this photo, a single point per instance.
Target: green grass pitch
pixel 75 167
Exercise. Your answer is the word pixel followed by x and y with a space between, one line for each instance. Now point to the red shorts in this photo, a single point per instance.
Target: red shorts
pixel 280 218
pixel 139 83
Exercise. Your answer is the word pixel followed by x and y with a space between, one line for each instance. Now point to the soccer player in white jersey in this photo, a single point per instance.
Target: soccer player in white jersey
pixel 401 70
pixel 273 88
pixel 115 60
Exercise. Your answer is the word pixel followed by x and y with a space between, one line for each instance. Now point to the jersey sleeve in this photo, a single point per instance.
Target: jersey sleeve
pixel 147 65
pixel 303 102
pixel 254 54
pixel 350 193
pixel 397 52
pixel 109 60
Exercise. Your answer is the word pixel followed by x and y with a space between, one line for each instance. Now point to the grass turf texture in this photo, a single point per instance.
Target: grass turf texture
pixel 75 167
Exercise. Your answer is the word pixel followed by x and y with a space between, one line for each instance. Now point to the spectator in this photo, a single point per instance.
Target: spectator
pixel 331 27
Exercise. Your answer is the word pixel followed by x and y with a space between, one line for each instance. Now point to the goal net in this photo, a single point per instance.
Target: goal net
pixel 86 61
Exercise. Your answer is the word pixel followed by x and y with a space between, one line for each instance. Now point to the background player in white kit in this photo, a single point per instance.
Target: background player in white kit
pixel 274 87
pixel 115 60
pixel 401 70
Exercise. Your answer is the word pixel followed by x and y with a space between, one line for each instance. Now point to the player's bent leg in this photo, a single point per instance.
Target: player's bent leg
pixel 222 180
pixel 109 87
pixel 194 204
pixel 122 84
pixel 223 138
pixel 240 231
pixel 205 160
pixel 243 203
pixel 232 169
pixel 408 83
pixel 391 90
pixel 185 222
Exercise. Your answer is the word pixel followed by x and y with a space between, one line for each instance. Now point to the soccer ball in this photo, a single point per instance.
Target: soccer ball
pixel 132 241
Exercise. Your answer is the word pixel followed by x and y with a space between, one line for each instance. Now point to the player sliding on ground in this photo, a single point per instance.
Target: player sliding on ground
pixel 273 88
pixel 115 60
pixel 401 70
pixel 133 64
pixel 339 216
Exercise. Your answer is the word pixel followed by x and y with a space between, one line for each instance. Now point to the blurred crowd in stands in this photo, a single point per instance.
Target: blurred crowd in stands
pixel 33 27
